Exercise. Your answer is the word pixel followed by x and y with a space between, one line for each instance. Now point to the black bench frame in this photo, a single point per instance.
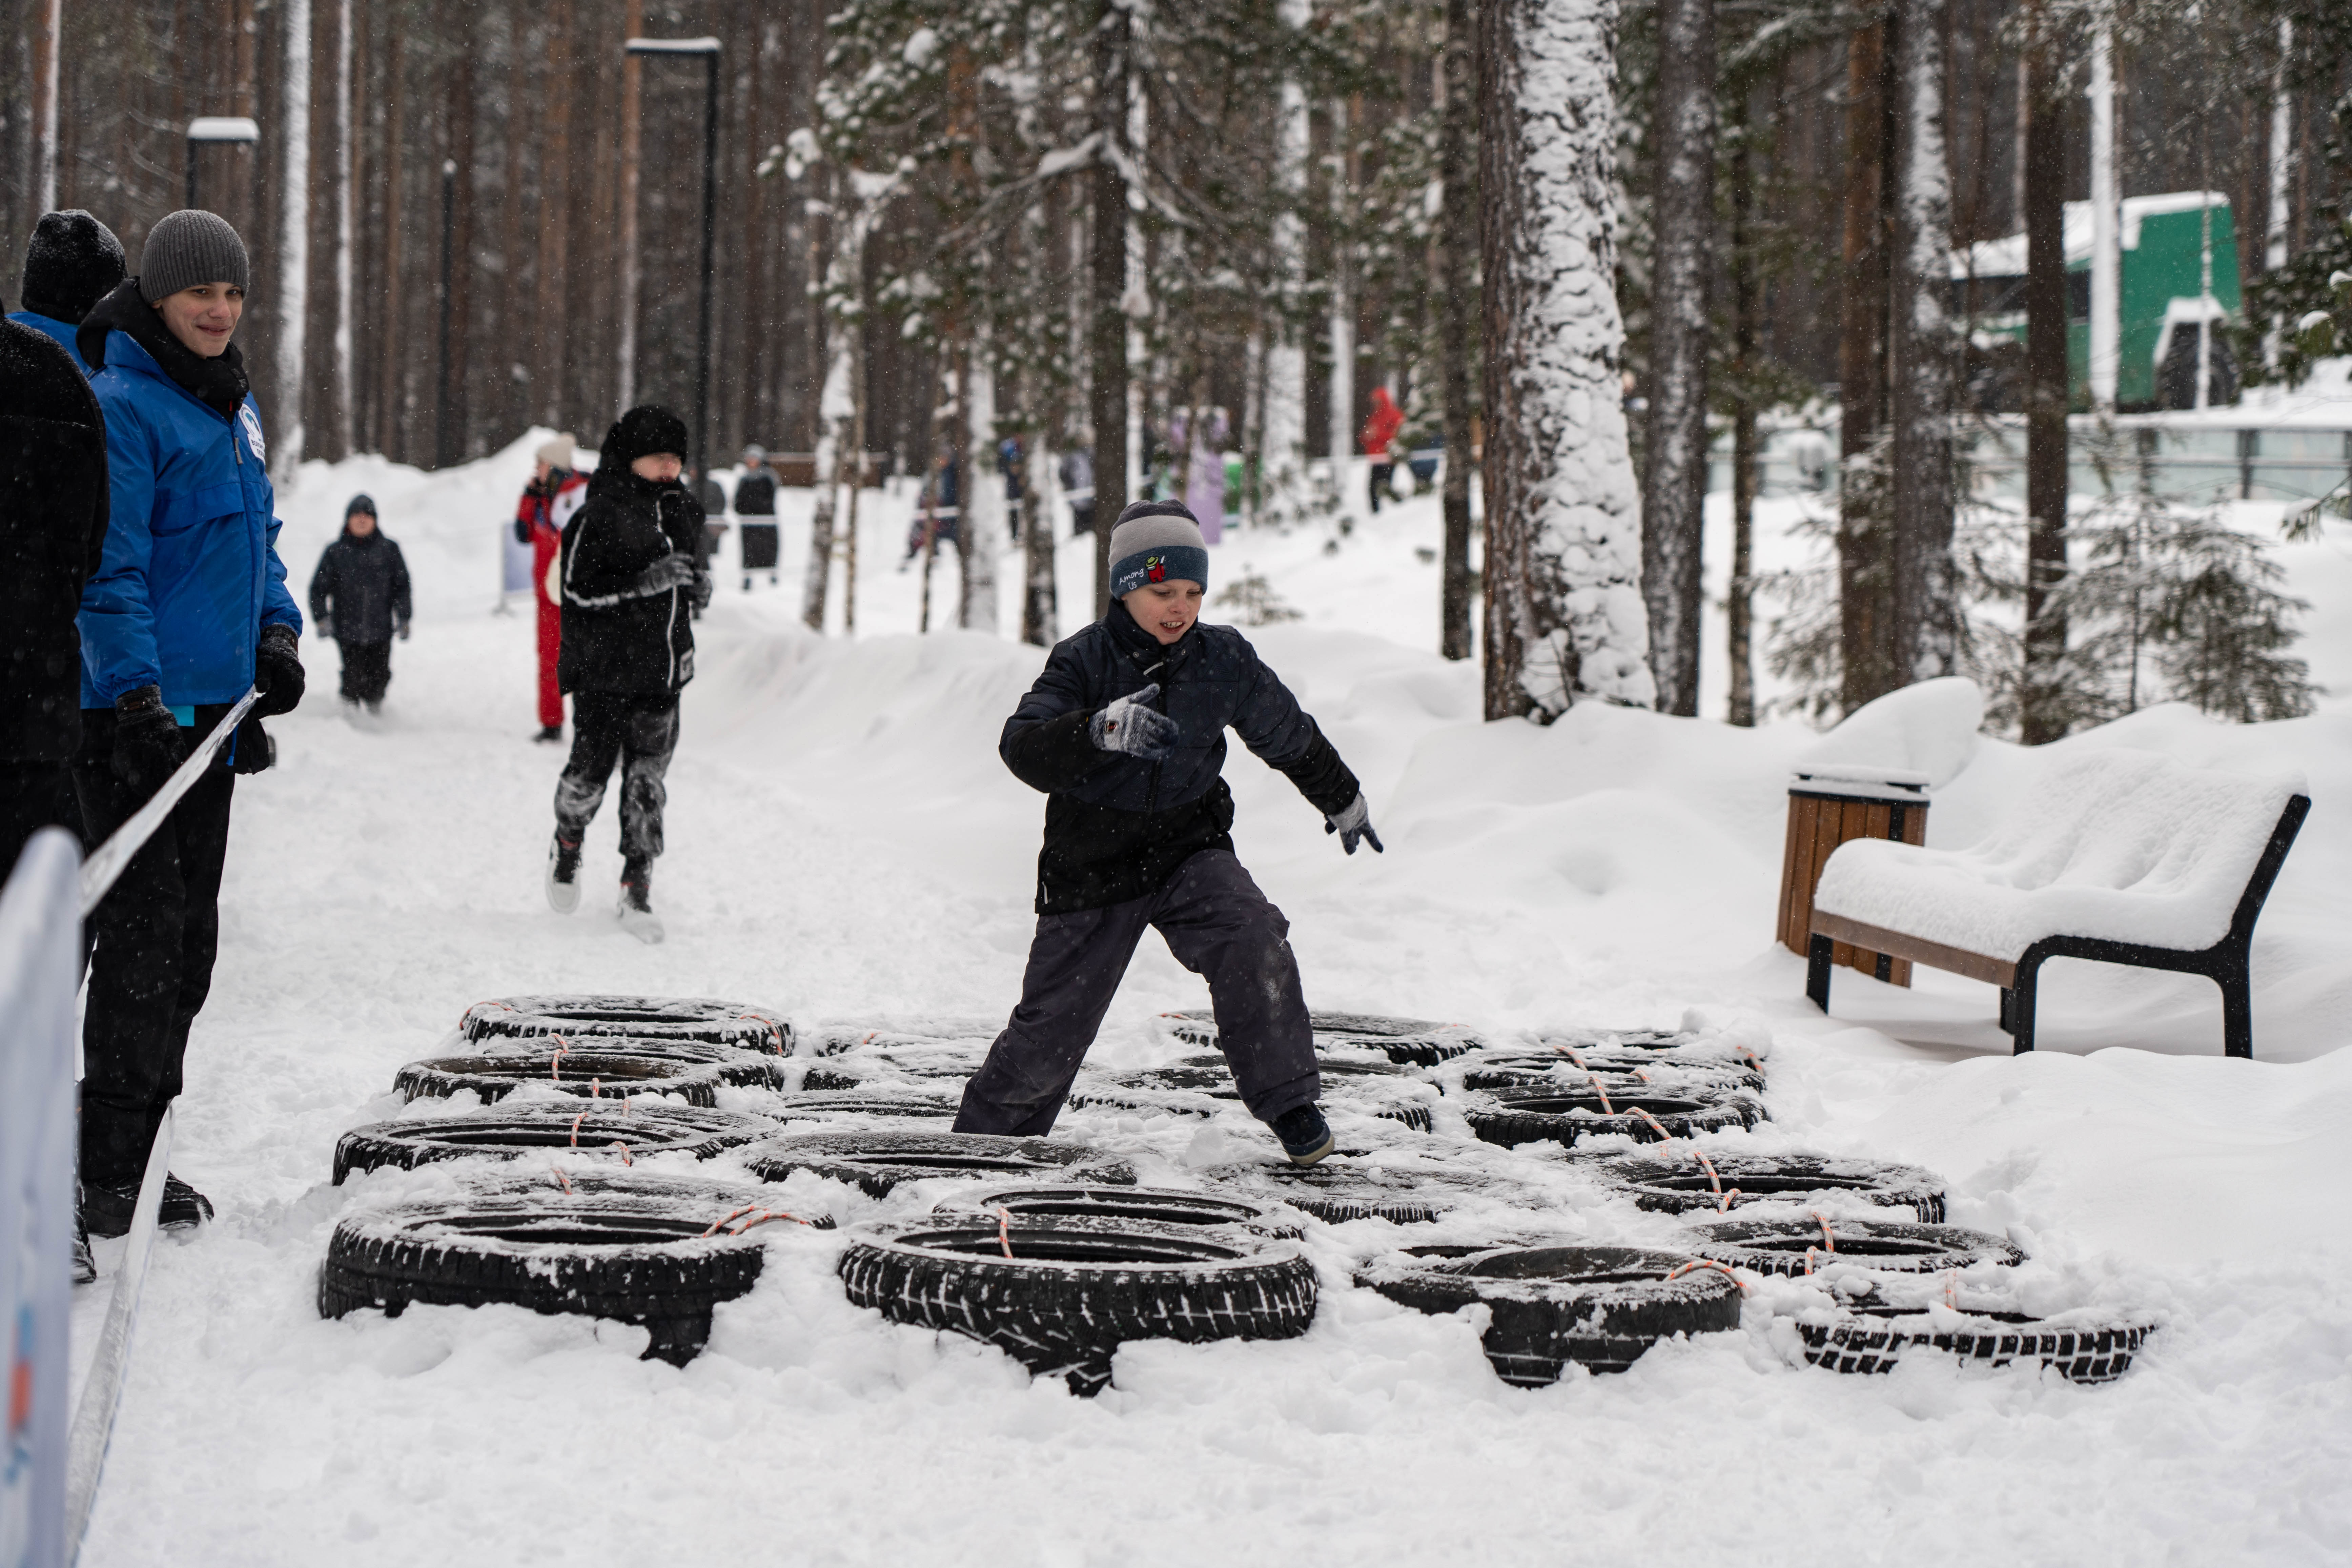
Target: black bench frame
pixel 2228 962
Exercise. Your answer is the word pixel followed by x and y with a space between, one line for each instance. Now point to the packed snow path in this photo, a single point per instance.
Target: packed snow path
pixel 843 843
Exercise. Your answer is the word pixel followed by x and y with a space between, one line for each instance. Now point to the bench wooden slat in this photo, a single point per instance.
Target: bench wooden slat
pixel 1919 950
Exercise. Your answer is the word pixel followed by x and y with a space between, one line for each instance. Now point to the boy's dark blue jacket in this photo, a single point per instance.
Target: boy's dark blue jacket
pixel 1116 827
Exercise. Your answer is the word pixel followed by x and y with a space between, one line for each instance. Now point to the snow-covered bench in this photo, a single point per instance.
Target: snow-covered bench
pixel 2118 855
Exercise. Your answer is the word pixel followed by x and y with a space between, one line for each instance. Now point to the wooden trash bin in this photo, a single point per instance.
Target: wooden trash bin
pixel 1832 805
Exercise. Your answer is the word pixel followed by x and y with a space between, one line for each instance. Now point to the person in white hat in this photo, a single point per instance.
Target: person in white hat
pixel 556 490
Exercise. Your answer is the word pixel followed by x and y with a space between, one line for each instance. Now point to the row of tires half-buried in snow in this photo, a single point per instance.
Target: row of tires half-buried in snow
pixel 1057 1256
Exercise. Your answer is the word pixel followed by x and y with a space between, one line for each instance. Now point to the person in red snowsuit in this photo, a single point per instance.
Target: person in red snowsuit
pixel 1380 431
pixel 554 493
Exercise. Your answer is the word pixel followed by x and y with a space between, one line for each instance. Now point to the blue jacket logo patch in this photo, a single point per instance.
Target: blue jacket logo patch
pixel 252 423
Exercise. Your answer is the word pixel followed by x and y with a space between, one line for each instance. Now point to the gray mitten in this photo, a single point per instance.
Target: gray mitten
pixel 1352 824
pixel 672 571
pixel 1128 727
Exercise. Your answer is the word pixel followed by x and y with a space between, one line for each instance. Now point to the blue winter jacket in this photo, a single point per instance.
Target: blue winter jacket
pixel 61 330
pixel 191 572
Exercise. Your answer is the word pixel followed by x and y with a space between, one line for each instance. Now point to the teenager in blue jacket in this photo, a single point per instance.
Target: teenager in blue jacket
pixel 188 609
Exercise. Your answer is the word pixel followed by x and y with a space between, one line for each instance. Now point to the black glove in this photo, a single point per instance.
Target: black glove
pixel 148 744
pixel 277 671
pixel 251 751
pixel 403 631
pixel 701 592
pixel 675 570
pixel 326 628
pixel 1352 824
pixel 1128 726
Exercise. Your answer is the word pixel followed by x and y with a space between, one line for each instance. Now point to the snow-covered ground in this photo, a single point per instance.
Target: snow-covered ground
pixel 843 844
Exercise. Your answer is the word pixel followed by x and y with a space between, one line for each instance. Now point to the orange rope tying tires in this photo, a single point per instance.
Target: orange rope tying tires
pixel 1004 1229
pixel 623 1148
pixel 1696 1263
pixel 1829 1241
pixel 759 1217
pixel 1603 1095
pixel 1952 1289
pixel 595 1089
pixel 1656 1125
pixel 561 1179
pixel 1722 1199
pixel 562 1050
pixel 778 1029
pixel 575 1128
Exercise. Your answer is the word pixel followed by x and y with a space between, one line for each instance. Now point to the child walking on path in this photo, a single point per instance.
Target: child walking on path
pixel 1125 733
pixel 358 596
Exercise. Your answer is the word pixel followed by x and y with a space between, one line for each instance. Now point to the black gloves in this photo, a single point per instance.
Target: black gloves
pixel 675 570
pixel 325 628
pixel 1352 824
pixel 699 595
pixel 1127 726
pixel 403 631
pixel 277 671
pixel 148 745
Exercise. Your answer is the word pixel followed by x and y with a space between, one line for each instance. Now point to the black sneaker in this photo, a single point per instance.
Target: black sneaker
pixel 1305 1136
pixel 562 876
pixel 106 1209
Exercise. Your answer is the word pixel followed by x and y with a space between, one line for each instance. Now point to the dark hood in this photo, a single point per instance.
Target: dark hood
pixel 218 384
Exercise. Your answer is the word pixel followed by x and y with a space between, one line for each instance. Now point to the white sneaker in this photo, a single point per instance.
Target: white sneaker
pixel 562 877
pixel 637 917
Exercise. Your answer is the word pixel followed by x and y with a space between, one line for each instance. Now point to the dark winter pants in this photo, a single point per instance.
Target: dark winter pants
pixel 1220 928
pixel 367 669
pixel 153 942
pixel 1382 475
pixel 33 796
pixel 639 733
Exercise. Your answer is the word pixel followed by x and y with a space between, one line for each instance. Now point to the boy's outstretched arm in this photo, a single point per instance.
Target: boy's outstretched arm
pixel 1284 736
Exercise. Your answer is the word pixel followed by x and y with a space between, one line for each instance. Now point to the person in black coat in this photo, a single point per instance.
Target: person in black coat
pixel 631 580
pixel 53 515
pixel 360 597
pixel 1125 733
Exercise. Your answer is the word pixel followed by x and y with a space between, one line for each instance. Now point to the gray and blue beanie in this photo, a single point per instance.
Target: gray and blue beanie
pixel 1154 541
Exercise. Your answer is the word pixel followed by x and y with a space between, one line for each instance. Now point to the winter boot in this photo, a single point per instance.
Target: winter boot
pixel 549 734
pixel 1305 1136
pixel 85 1267
pixel 637 917
pixel 107 1209
pixel 562 876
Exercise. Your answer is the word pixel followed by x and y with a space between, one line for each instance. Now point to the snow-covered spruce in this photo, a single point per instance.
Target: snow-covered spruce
pixel 514 1132
pixel 1565 619
pixel 1805 1246
pixel 1600 1307
pixel 2087 1347
pixel 693 1071
pixel 1130 1205
pixel 1683 1183
pixel 1529 1115
pixel 878 1162
pixel 743 1023
pixel 1060 1296
pixel 660 1251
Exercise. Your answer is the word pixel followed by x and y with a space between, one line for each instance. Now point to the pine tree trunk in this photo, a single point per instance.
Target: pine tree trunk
pixel 456 410
pixel 390 337
pixel 1340 333
pixel 1563 600
pixel 1926 615
pixel 1457 253
pixel 1674 491
pixel 1746 309
pixel 47 52
pixel 554 220
pixel 2041 696
pixel 1108 371
pixel 345 427
pixel 293 248
pixel 1865 551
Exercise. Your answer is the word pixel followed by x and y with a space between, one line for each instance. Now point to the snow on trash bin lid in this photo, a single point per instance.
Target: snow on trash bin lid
pixel 1862 781
pixel 2124 844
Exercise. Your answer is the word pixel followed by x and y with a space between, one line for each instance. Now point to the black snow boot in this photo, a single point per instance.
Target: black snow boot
pixel 85 1267
pixel 1305 1136
pixel 562 876
pixel 107 1209
pixel 637 917
pixel 549 734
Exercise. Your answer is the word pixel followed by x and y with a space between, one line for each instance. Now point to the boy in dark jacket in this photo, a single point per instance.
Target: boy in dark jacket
pixel 1125 732
pixel 631 584
pixel 358 596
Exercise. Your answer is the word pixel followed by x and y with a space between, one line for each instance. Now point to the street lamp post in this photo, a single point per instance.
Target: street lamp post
pixel 230 127
pixel 709 49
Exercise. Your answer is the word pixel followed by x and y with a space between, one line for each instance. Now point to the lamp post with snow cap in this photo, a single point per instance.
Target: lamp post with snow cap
pixel 709 49
pixel 230 127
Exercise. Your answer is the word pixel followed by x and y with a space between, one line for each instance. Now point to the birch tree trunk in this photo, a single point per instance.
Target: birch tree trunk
pixel 1674 491
pixel 1564 598
pixel 1926 615
pixel 980 495
pixel 1280 491
pixel 293 248
pixel 1457 251
pixel 47 46
pixel 837 405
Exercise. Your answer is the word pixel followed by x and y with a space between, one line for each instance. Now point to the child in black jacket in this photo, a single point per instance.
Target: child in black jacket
pixel 1125 733
pixel 360 597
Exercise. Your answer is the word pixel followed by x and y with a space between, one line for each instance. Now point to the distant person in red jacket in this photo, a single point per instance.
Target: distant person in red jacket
pixel 554 493
pixel 1381 427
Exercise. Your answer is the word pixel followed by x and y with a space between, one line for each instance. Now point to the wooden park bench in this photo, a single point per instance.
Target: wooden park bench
pixel 2116 856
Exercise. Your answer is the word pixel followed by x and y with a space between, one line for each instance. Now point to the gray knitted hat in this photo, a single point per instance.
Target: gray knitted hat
pixel 188 247
pixel 1154 541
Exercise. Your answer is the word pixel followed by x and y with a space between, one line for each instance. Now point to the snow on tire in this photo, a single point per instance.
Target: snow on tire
pixel 1529 1115
pixel 657 1252
pixel 1803 1246
pixel 878 1161
pixel 692 1071
pixel 1061 1296
pixel 512 1132
pixel 1873 1339
pixel 871 1099
pixel 1200 1085
pixel 1417 1041
pixel 1127 1206
pixel 1600 1307
pixel 739 1023
pixel 1339 1190
pixel 1728 1181
pixel 1618 1074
